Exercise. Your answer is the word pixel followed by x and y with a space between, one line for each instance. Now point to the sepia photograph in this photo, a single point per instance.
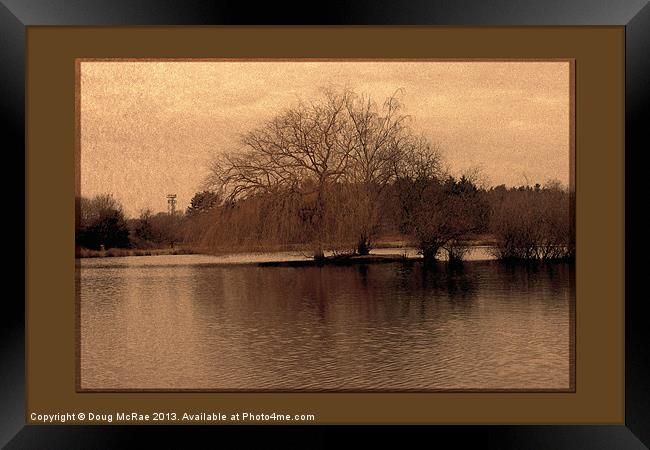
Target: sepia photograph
pixel 325 225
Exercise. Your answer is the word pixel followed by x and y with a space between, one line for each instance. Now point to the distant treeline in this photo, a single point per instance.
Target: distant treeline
pixel 520 223
pixel 337 175
pixel 102 225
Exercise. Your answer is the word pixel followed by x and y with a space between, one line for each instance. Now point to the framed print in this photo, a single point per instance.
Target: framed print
pixel 413 215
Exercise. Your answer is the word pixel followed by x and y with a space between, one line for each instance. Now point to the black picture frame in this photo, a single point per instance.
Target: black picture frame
pixel 16 15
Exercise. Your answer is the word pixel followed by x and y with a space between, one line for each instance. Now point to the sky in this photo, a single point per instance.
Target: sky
pixel 149 128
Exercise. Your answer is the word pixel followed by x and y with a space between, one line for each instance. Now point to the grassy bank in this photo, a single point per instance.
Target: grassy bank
pixel 117 252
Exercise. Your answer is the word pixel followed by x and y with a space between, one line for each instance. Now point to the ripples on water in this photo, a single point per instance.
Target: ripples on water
pixel 182 323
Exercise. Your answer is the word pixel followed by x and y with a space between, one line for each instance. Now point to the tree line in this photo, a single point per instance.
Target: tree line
pixel 339 173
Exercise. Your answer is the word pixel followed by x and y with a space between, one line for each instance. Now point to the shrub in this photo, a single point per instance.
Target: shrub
pixel 533 225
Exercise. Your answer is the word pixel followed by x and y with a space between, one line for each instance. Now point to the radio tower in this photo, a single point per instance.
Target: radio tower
pixel 171 204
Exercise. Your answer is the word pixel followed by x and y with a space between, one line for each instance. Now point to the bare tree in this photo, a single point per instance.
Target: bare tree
pixel 304 151
pixel 468 213
pixel 420 195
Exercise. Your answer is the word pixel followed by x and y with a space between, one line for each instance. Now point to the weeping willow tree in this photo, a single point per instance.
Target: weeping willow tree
pixel 314 175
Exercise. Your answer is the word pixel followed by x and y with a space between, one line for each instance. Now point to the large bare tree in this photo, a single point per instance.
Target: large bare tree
pixel 324 168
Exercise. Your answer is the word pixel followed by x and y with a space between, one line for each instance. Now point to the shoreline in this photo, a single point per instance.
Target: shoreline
pixel 394 244
pixel 343 261
pixel 408 255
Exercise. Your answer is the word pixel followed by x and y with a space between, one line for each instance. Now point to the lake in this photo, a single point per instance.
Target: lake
pixel 203 322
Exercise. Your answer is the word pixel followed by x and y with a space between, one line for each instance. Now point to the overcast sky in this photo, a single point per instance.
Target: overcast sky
pixel 151 128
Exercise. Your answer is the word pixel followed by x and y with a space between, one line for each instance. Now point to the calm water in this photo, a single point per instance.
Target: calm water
pixel 173 322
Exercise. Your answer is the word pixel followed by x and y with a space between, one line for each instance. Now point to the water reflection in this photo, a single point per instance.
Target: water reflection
pixel 481 325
